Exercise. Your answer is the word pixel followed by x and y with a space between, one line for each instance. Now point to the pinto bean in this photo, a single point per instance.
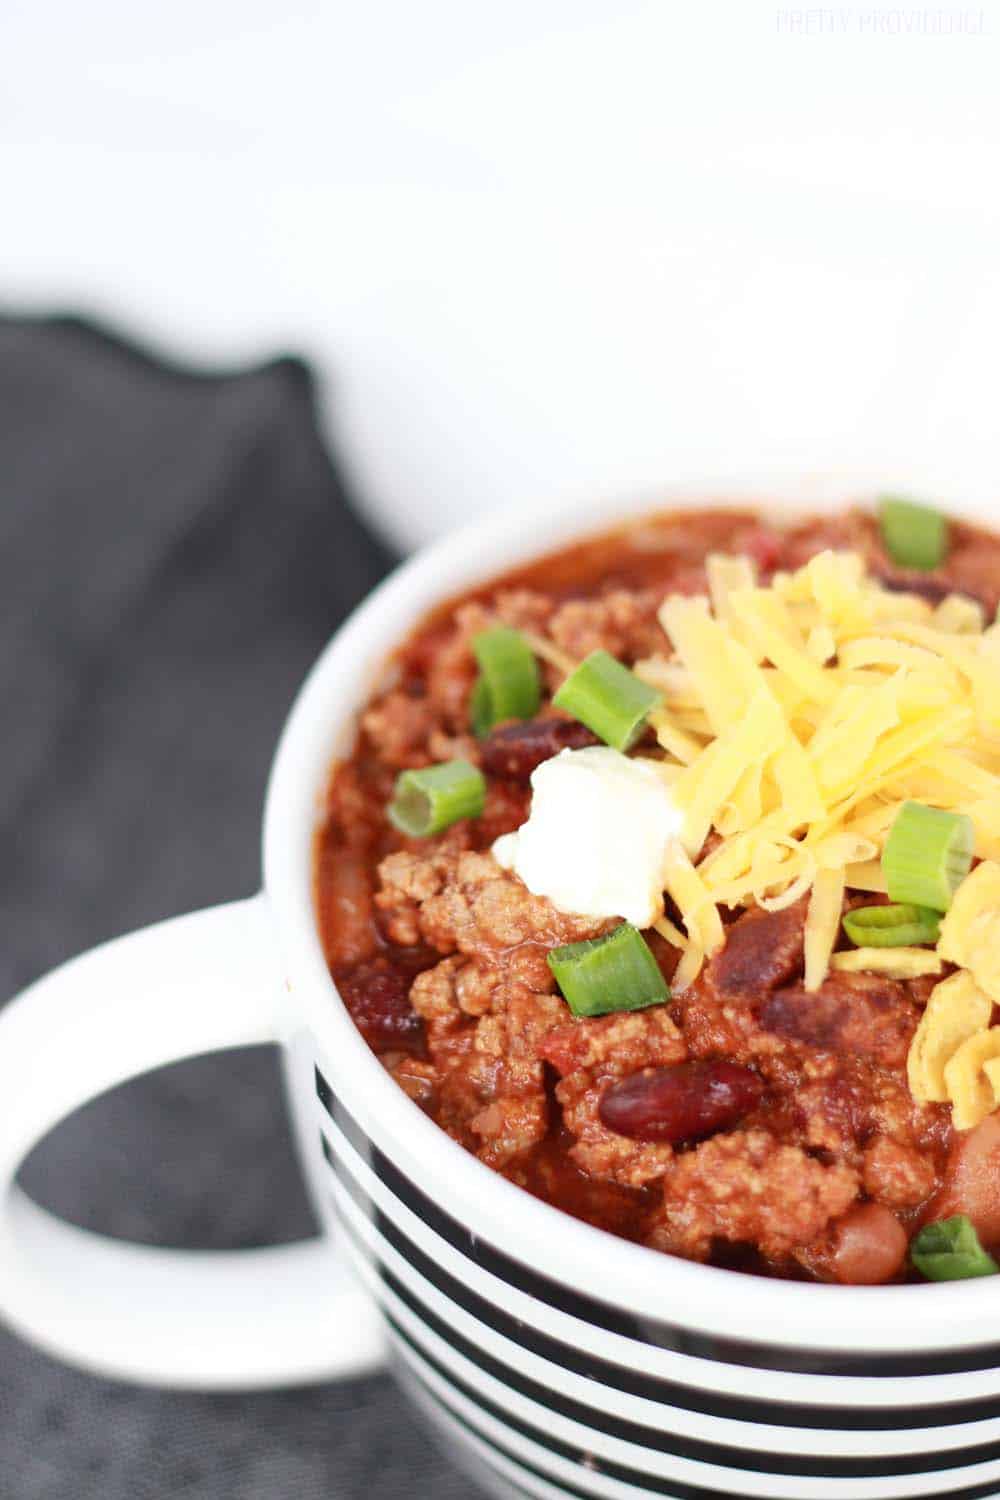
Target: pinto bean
pixel 680 1103
pixel 514 750
pixel 377 996
pixel 972 1181
pixel 869 1246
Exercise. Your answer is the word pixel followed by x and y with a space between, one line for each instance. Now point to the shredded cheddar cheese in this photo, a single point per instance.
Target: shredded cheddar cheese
pixel 726 575
pixel 675 740
pixel 700 914
pixel 714 659
pixel 688 969
pixel 867 876
pixel 797 718
pixel 960 615
pixel 823 923
pixel 670 933
pixel 894 963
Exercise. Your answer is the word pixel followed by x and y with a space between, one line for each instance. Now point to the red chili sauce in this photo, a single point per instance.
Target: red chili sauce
pixel 822 1165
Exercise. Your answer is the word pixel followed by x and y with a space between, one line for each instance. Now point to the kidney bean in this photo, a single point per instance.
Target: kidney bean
pixel 514 750
pixel 762 950
pixel 931 587
pixel 899 581
pixel 680 1103
pixel 763 544
pixel 412 961
pixel 377 996
pixel 863 1015
pixel 507 806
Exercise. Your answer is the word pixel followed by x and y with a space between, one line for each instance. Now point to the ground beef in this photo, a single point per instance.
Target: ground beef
pixel 623 623
pixel 485 1029
pixel 450 668
pixel 466 901
pixel 748 1187
pixel 435 997
pixel 441 956
pixel 509 1073
pixel 401 726
pixel 589 1056
pixel 841 1104
pixel 718 1026
pixel 897 1175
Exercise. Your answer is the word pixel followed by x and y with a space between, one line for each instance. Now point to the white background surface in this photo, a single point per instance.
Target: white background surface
pixel 537 247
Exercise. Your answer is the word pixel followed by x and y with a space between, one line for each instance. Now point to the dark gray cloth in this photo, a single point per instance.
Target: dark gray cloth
pixel 174 550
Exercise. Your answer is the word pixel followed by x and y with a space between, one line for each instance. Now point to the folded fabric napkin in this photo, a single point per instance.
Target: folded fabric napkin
pixel 176 548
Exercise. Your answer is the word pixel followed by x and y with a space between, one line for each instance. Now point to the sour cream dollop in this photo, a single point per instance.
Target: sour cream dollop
pixel 598 836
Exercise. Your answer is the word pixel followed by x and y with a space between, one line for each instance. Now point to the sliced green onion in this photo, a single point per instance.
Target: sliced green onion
pixel 950 1251
pixel 612 701
pixel 612 973
pixel 427 801
pixel 481 709
pixel 892 926
pixel 508 686
pixel 915 536
pixel 927 855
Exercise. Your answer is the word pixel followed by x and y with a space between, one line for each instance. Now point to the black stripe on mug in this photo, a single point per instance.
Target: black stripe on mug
pixel 660 1440
pixel 646 1484
pixel 494 1448
pixel 656 1334
pixel 737 1408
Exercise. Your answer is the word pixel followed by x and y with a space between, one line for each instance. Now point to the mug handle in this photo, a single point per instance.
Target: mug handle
pixel 203 1319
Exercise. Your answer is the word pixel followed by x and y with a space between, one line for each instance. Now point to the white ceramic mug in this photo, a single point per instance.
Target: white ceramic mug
pixel 558 1359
